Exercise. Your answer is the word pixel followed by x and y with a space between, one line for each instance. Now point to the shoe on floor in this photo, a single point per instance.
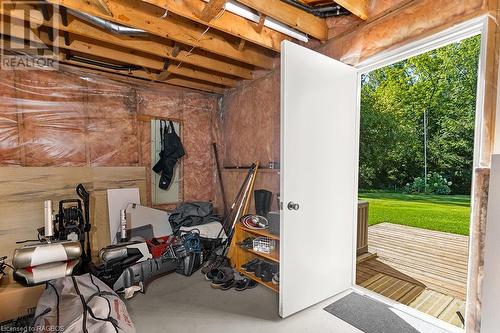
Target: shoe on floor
pixel 225 275
pixel 228 285
pixel 214 262
pixel 212 274
pixel 244 284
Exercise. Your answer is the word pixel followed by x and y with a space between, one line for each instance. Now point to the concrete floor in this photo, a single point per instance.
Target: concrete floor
pixel 175 303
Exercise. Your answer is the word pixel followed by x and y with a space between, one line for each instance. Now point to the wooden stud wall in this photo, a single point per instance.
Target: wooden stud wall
pixel 23 191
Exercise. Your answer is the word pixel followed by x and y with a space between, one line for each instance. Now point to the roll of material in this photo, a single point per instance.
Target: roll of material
pixel 40 254
pixel 36 275
pixel 123 223
pixel 49 225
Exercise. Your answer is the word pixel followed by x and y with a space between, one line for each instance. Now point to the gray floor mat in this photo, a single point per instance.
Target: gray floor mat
pixel 368 315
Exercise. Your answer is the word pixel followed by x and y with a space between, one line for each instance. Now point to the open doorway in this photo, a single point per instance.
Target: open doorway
pixel 418 121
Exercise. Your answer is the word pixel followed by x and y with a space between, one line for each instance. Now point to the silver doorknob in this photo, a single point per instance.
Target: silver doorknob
pixel 293 206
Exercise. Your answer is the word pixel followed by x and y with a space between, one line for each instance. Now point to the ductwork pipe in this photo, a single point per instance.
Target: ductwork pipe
pixel 112 27
pixel 323 11
pixel 104 64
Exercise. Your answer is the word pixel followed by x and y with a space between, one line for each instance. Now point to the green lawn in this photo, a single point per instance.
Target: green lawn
pixel 448 213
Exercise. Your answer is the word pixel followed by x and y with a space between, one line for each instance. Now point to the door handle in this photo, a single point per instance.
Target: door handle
pixel 293 206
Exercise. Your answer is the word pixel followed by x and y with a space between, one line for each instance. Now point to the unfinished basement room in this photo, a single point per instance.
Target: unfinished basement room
pixel 249 165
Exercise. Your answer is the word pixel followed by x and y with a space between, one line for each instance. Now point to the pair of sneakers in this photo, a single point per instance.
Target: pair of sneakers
pixel 224 279
pixel 262 269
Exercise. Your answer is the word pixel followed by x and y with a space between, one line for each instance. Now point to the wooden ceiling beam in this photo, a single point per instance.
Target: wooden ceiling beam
pixel 228 22
pixel 84 29
pixel 139 75
pixel 123 56
pixel 360 8
pixel 291 16
pixel 138 60
pixel 176 81
pixel 212 8
pixel 127 13
pixel 104 7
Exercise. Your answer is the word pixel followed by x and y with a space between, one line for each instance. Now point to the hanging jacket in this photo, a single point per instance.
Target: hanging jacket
pixel 171 151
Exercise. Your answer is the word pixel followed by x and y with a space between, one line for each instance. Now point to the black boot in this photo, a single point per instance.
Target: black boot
pixel 262 202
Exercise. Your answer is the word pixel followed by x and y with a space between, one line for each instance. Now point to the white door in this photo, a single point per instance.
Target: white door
pixel 318 182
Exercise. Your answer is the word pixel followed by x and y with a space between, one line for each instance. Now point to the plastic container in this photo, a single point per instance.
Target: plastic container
pixel 157 246
pixel 264 245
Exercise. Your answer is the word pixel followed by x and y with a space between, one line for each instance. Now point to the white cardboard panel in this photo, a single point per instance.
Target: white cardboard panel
pixel 138 216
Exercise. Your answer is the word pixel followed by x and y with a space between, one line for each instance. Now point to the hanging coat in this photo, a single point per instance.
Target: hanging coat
pixel 171 151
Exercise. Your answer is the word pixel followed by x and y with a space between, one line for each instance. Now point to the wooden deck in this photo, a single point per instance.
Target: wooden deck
pixel 424 269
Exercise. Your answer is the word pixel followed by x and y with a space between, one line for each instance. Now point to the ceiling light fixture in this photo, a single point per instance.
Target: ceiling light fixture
pixel 250 14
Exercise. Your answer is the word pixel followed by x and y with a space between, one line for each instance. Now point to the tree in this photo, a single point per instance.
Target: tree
pixel 393 100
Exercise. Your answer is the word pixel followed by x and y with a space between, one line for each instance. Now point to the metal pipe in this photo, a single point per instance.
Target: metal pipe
pixel 123 225
pixel 48 219
pixel 112 27
pixel 104 64
pixel 323 11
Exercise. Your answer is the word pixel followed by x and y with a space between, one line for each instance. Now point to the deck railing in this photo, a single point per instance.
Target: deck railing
pixel 362 239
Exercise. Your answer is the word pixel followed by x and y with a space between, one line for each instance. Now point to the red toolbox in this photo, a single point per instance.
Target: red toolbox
pixel 157 246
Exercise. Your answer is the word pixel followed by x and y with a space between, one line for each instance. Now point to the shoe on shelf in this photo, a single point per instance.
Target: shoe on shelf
pixel 267 275
pixel 259 268
pixel 252 265
pixel 247 243
pixel 265 271
pixel 276 278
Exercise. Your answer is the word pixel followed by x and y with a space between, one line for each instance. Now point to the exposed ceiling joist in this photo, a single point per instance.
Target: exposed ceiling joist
pixel 104 7
pixel 126 13
pixel 84 29
pixel 123 55
pixel 291 16
pixel 211 10
pixel 176 81
pixel 18 44
pixel 228 22
pixel 359 8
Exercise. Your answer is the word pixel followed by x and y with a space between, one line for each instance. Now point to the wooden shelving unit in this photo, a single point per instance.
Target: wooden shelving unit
pixel 242 256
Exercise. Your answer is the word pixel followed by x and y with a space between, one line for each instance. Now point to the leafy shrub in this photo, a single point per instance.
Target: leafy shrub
pixel 436 184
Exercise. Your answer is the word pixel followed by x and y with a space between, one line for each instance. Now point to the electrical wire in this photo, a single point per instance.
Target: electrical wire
pixel 201 36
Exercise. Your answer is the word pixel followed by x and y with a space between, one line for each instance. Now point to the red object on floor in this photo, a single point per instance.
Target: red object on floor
pixel 162 243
